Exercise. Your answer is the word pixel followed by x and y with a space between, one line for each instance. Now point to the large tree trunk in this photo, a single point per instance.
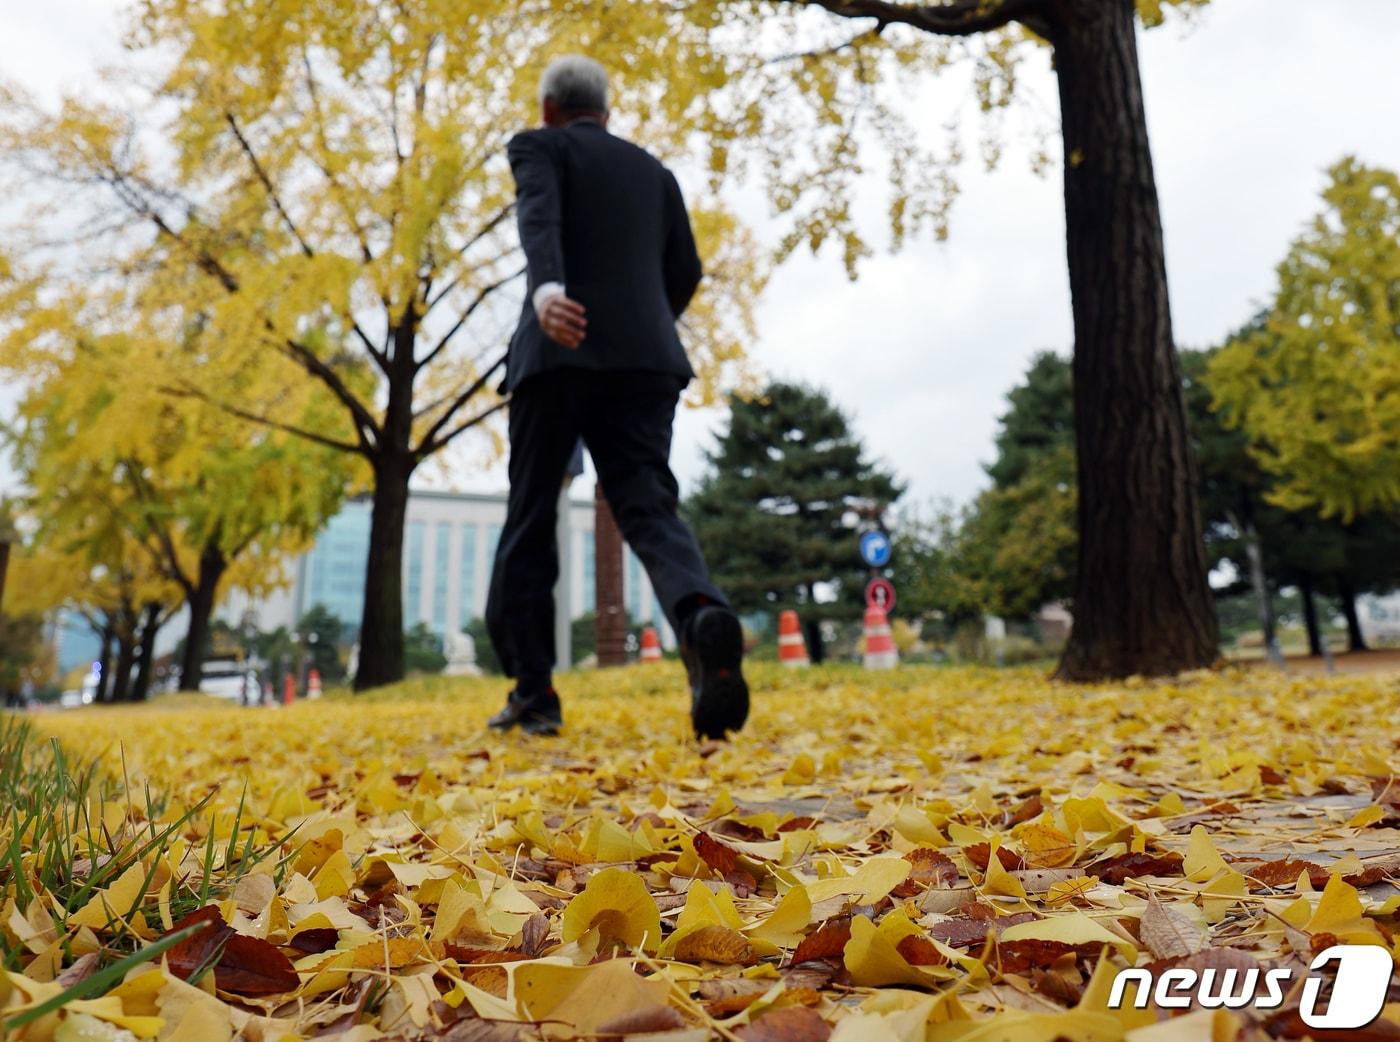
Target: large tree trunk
pixel 1305 590
pixel 200 601
pixel 1346 593
pixel 1142 602
pixel 126 658
pixel 104 658
pixel 145 659
pixel 381 625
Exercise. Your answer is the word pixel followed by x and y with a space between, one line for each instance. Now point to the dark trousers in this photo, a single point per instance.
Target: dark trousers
pixel 625 420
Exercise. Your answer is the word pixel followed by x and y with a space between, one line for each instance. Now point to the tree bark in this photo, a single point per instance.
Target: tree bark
pixel 145 658
pixel 104 657
pixel 381 625
pixel 1346 593
pixel 1142 601
pixel 126 658
pixel 200 601
pixel 1305 590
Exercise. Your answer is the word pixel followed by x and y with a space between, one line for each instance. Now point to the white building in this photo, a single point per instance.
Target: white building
pixel 449 545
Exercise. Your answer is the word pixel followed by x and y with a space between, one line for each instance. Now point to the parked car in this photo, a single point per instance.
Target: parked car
pixel 225 678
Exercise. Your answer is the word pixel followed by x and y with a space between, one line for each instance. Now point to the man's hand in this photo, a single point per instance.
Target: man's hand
pixel 563 320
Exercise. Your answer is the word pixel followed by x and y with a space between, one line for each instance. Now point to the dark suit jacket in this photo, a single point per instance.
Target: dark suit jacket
pixel 607 220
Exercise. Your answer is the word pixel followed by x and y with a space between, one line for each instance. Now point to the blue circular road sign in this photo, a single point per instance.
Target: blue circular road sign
pixel 875 549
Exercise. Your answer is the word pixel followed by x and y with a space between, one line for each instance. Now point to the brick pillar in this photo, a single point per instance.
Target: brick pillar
pixel 611 620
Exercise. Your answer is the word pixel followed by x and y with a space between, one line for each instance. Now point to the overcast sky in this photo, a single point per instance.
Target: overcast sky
pixel 1246 110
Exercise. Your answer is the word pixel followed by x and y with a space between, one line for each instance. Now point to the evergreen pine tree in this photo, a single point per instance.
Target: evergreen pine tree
pixel 777 513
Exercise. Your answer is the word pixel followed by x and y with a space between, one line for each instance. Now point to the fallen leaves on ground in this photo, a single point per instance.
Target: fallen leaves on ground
pixel 901 855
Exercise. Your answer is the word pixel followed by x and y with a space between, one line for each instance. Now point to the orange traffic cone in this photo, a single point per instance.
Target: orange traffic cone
pixel 313 683
pixel 651 645
pixel 880 652
pixel 792 649
pixel 289 689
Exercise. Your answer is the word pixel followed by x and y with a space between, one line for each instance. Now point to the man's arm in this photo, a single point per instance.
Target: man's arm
pixel 681 262
pixel 537 208
pixel 538 214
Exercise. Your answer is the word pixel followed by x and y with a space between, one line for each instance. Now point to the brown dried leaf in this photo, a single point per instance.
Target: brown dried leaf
pixel 920 951
pixel 252 966
pixel 716 944
pixel 826 942
pixel 961 933
pixel 720 857
pixel 1031 808
pixel 1273 874
pixel 649 1018
pixel 84 966
pixel 534 935
pixel 1116 870
pixel 1167 933
pixel 315 940
pixel 980 854
pixel 932 868
pixel 789 1024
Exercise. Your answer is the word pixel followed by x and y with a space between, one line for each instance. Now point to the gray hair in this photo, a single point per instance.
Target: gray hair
pixel 576 84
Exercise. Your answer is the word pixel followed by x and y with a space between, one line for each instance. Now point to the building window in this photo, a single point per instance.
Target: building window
pixel 441 540
pixel 466 593
pixel 413 578
pixel 335 567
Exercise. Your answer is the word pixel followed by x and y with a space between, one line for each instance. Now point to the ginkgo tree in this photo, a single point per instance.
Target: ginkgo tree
pixel 1317 389
pixel 819 95
pixel 146 485
pixel 325 187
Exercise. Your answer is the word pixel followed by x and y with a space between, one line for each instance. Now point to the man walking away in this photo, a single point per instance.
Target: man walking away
pixel 611 264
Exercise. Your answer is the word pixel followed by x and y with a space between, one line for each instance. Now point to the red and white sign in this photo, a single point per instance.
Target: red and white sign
pixel 879 593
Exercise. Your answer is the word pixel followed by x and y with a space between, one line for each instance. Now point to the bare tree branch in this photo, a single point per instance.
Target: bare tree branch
pixel 434 439
pixel 266 421
pixel 477 301
pixel 267 184
pixel 491 225
pixel 835 48
pixel 281 209
pixel 957 18
pixel 428 448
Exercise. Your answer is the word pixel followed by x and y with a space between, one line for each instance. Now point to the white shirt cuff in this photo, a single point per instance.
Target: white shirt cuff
pixel 543 292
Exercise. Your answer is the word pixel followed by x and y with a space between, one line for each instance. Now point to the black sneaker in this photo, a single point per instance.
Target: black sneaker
pixel 536 714
pixel 713 651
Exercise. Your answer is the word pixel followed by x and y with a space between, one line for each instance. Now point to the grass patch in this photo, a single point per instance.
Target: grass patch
pixel 96 867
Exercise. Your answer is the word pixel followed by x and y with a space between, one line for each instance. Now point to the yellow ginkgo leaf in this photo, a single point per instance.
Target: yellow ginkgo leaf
pixel 1046 846
pixel 872 881
pixel 583 997
pixel 873 958
pixel 618 905
pixel 784 927
pixel 998 882
pixel 1073 928
pixel 1340 912
pixel 1070 890
pixel 1203 862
